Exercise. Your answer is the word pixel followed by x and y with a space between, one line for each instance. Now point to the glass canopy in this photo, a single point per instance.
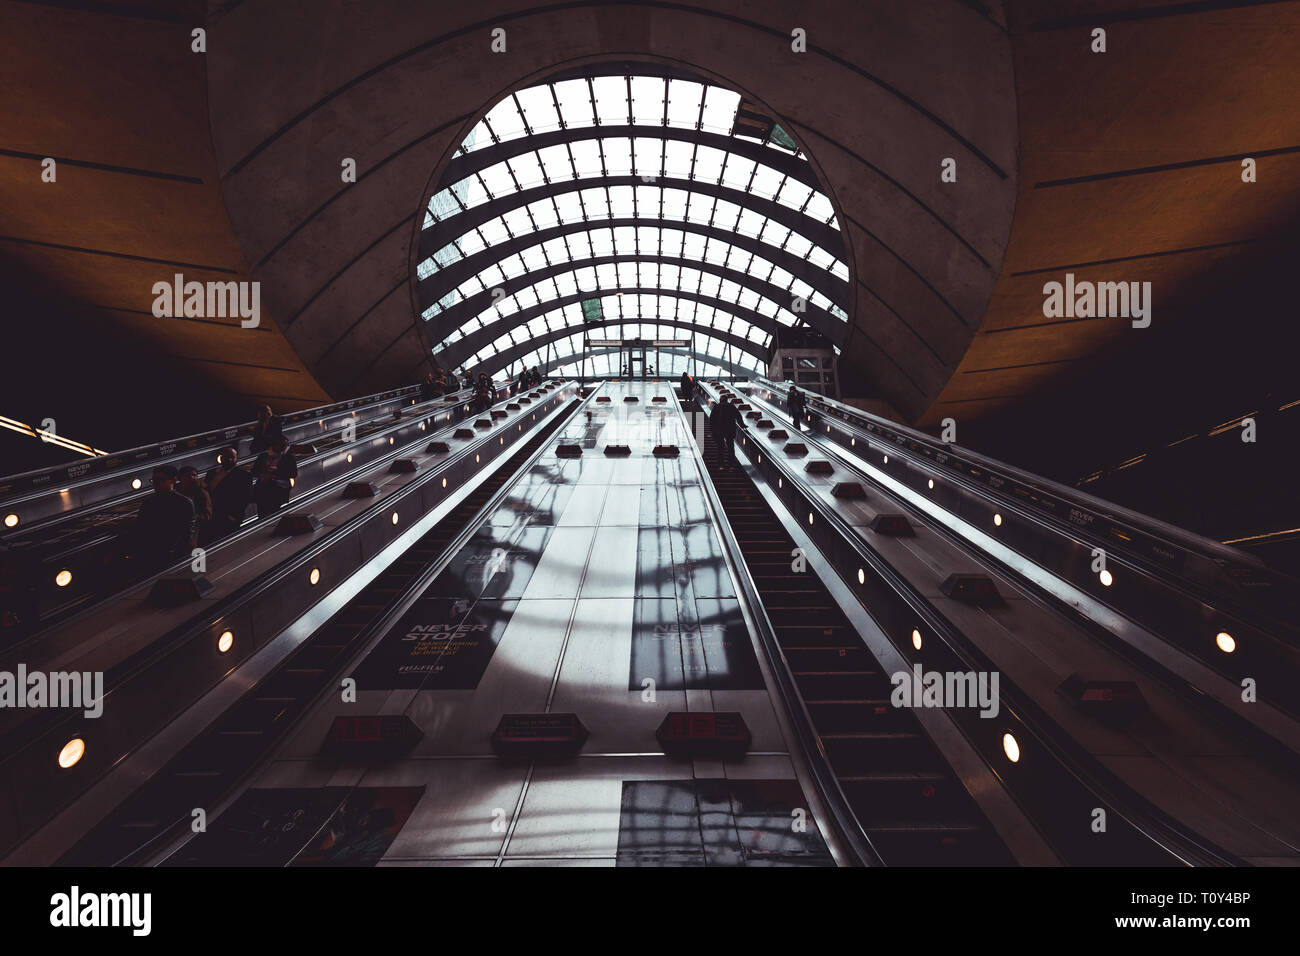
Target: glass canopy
pixel 629 200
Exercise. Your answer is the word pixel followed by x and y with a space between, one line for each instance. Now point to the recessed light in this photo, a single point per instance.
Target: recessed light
pixel 1011 748
pixel 72 751
pixel 225 642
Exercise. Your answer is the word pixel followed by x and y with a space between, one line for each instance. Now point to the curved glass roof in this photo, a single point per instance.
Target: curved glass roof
pixel 627 200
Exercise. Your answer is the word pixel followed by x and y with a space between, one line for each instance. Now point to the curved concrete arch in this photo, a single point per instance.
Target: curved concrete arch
pixel 461 349
pixel 450 318
pixel 949 95
pixel 439 234
pixel 789 164
pixel 441 282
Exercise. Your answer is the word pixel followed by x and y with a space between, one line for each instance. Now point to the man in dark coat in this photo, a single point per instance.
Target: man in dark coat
pixel 164 525
pixel 276 470
pixel 724 423
pixel 231 490
pixel 794 400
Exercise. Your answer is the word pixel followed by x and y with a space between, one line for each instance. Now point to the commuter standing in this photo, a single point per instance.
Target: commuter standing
pixel 794 400
pixel 266 429
pixel 231 489
pixel 191 486
pixel 276 469
pixel 687 382
pixel 164 525
pixel 483 392
pixel 724 421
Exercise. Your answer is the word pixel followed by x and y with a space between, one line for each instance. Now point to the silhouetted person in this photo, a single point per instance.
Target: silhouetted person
pixel 231 490
pixel 266 429
pixel 192 487
pixel 466 380
pixel 275 471
pixel 164 525
pixel 483 392
pixel 723 422
pixel 795 402
pixel 687 382
pixel 428 388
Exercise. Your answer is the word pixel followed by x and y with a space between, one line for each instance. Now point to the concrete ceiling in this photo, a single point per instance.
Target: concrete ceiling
pixel 114 94
pixel 1131 171
pixel 1115 166
pixel 295 88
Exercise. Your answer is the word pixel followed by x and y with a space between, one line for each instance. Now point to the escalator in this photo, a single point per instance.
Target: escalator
pixel 911 807
pixel 217 759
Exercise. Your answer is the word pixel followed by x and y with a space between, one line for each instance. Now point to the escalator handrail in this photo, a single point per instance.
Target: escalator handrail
pixel 1116 514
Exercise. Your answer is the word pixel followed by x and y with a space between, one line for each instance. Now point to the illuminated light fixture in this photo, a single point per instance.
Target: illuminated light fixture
pixel 997 521
pixel 501 440
pixel 853 442
pixel 314 577
pixel 930 483
pixel 349 458
pixel 862 576
pixel 916 639
pixel 886 459
pixel 136 483
pixel 810 517
pixel 444 482
pixel 1106 578
pixel 421 426
pixel 390 439
pixel 72 751
pixel 50 437
pixel 394 517
pixel 1011 748
pixel 476 459
pixel 11 521
pixel 225 642
pixel 292 481
pixel 760 459
pixel 780 482
pixel 63 578
pixel 1226 642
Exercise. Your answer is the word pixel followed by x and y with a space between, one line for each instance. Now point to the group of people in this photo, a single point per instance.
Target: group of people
pixel 188 509
pixel 725 420
pixel 442 382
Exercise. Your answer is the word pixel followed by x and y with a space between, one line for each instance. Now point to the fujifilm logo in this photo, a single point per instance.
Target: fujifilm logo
pixel 1103 300
pixel 75 909
pixel 209 300
pixel 946 689
pixel 82 690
